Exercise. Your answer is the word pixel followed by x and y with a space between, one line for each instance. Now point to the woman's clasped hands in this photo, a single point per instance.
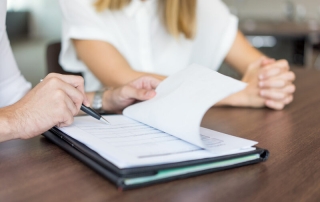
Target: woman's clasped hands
pixel 270 84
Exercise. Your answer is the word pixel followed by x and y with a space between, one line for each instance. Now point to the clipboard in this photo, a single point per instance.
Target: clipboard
pixel 130 178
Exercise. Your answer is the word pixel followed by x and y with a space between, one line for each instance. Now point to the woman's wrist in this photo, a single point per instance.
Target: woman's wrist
pixel 107 100
pixel 235 100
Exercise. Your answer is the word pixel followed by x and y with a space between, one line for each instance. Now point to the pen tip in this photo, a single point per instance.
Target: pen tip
pixel 104 120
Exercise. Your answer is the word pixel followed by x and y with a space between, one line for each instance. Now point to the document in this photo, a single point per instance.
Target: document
pixel 128 143
pixel 165 129
pixel 182 100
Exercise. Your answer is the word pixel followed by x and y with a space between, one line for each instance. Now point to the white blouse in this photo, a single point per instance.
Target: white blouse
pixel 138 33
pixel 13 85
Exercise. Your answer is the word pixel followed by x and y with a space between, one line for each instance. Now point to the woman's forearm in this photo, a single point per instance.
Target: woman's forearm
pixel 242 54
pixel 107 63
pixel 234 100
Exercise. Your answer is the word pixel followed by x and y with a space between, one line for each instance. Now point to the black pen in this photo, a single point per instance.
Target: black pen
pixel 93 113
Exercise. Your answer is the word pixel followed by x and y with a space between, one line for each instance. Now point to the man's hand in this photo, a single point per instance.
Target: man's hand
pixel 53 102
pixel 140 89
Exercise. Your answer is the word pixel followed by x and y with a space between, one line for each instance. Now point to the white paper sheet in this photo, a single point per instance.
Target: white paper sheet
pixel 182 100
pixel 128 143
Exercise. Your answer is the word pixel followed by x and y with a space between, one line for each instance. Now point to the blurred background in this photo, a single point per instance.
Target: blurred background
pixel 288 29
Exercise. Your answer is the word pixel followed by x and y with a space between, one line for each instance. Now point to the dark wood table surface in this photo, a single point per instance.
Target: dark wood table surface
pixel 37 170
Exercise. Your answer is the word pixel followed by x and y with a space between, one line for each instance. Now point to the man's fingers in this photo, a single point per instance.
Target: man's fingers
pixel 63 107
pixel 78 83
pixel 71 106
pixel 67 119
pixel 75 95
pixel 75 81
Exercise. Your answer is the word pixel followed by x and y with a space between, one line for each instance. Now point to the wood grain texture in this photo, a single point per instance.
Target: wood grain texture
pixel 37 170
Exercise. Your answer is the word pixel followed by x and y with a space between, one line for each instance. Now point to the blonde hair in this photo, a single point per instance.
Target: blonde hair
pixel 179 15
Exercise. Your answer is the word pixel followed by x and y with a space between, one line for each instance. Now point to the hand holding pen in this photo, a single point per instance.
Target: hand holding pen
pixel 53 102
pixel 84 108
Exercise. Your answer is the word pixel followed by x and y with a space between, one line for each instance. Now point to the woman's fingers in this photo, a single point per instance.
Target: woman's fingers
pixel 274 83
pixel 274 105
pixel 137 94
pixel 274 69
pixel 279 105
pixel 273 95
pixel 279 81
pixel 278 94
pixel 146 82
pixel 267 61
pixel 288 100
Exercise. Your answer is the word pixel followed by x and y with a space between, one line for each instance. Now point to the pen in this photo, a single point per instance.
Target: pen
pixel 93 113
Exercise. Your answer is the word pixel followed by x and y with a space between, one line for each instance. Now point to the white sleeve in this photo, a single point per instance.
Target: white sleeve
pixel 216 32
pixel 13 85
pixel 3 11
pixel 81 21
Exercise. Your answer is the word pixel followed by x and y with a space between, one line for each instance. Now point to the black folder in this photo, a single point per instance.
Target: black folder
pixel 119 176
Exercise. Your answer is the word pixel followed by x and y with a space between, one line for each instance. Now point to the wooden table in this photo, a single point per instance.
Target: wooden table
pixel 37 170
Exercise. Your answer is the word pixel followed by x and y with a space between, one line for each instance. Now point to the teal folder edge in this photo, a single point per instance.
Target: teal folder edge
pixel 132 178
